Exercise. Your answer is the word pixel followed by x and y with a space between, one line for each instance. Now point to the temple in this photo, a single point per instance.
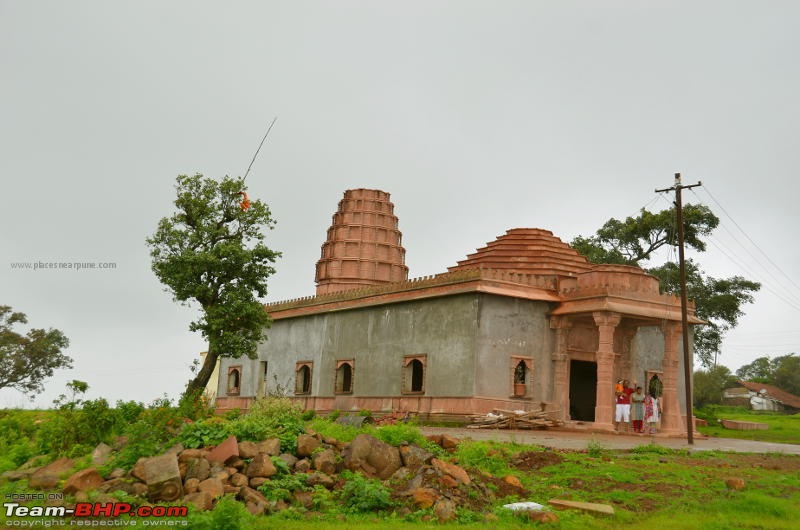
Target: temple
pixel 522 321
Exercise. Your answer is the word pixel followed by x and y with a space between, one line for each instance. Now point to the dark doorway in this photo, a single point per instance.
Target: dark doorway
pixel 582 390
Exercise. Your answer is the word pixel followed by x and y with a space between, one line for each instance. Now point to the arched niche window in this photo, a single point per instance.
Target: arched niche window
pixel 302 377
pixel 344 377
pixel 234 380
pixel 414 374
pixel 520 375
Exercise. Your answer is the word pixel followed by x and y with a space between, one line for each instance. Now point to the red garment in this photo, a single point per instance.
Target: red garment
pixel 625 397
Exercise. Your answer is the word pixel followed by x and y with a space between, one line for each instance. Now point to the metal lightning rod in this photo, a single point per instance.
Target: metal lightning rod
pixel 259 148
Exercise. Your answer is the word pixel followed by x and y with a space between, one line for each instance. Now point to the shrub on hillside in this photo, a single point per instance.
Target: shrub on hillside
pixel 271 417
pixel 363 495
pixel 151 434
pixel 205 433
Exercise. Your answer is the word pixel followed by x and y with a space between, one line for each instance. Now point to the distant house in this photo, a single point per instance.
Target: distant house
pixel 762 397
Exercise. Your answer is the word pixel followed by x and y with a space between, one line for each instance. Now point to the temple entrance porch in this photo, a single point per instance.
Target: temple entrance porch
pixel 593 351
pixel 582 390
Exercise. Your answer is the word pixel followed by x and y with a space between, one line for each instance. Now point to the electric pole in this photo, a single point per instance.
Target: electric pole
pixel 687 371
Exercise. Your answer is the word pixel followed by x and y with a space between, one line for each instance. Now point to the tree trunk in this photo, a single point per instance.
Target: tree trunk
pixel 198 384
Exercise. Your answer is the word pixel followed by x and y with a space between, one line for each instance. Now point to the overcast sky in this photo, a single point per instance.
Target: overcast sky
pixel 477 117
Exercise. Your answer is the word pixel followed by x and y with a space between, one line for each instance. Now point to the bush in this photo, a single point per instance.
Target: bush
pixel 282 487
pixel 129 411
pixel 362 495
pixel 271 417
pixel 151 434
pixel 195 406
pixel 204 433
pixel 228 514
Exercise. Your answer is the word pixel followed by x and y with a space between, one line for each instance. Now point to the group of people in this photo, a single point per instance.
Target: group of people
pixel 633 405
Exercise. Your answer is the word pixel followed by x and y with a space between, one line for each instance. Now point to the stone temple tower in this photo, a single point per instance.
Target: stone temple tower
pixel 364 246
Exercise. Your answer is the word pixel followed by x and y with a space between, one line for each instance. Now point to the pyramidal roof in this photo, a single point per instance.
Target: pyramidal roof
pixel 527 251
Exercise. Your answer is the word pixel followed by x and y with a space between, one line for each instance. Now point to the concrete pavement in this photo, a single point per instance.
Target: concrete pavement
pixel 570 439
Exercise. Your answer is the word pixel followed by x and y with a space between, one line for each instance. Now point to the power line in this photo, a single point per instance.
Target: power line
pixel 794 303
pixel 757 260
pixel 751 240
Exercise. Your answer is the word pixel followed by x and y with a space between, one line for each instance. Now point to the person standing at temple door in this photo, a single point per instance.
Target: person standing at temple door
pixel 651 412
pixel 637 410
pixel 623 407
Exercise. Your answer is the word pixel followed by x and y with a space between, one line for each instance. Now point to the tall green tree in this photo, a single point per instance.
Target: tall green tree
pixel 782 371
pixel 758 371
pixel 212 251
pixel 710 384
pixel 26 360
pixel 787 373
pixel 634 241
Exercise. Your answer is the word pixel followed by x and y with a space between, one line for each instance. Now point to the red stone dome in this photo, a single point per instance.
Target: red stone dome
pixel 364 246
pixel 527 251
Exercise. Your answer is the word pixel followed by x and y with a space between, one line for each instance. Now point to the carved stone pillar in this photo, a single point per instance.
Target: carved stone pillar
pixel 560 359
pixel 671 422
pixel 604 408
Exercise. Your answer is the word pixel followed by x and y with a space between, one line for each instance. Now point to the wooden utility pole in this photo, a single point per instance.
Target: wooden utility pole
pixel 687 364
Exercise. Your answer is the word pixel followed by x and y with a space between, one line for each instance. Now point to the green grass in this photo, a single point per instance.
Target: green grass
pixel 783 428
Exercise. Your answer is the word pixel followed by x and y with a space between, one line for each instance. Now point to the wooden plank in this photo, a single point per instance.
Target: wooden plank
pixel 590 507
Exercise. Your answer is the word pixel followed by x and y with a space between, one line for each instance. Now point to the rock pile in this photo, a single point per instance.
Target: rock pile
pixel 199 477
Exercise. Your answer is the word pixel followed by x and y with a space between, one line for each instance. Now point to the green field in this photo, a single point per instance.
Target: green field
pixel 783 428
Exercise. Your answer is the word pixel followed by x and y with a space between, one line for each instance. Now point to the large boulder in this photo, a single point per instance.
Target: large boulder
pixel 101 454
pixel 227 449
pixel 317 478
pixel 239 480
pixel 201 500
pixel 248 449
pixel 163 478
pixel 84 480
pixel 371 456
pixel 188 454
pixel 444 510
pixel 271 447
pixel 254 501
pixel 213 486
pixel 261 466
pixel 306 444
pixel 425 497
pixel 47 477
pixel 198 468
pixel 414 457
pixel 457 472
pixel 325 461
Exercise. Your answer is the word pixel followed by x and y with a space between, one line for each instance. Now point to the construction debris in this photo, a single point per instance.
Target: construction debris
pixel 516 419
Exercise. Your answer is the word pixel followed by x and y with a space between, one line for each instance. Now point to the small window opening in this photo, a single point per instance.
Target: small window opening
pixel 344 378
pixel 303 379
pixel 234 379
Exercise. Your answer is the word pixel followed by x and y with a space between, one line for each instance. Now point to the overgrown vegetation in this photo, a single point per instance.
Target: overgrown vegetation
pixel 649 486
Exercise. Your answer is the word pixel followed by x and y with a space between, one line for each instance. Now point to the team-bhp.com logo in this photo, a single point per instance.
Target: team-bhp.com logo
pixel 86 514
